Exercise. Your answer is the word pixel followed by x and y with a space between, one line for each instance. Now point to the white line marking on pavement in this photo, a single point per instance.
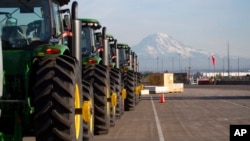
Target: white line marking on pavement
pixel 161 137
pixel 236 104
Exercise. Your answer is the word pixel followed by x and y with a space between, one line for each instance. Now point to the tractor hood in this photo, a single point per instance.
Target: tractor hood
pixel 91 60
pixel 17 62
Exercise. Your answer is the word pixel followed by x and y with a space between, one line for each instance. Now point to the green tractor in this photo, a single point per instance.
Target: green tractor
pixel 138 85
pixel 97 73
pixel 87 35
pixel 42 93
pixel 115 78
pixel 119 85
pixel 130 77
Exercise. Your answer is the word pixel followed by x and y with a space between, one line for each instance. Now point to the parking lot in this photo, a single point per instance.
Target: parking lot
pixel 200 113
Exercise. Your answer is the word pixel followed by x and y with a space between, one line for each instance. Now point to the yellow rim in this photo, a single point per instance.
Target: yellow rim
pixel 91 122
pixel 108 103
pixel 88 113
pixel 77 116
pixel 108 108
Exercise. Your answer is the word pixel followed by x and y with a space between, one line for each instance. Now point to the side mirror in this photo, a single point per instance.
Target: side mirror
pixel 11 21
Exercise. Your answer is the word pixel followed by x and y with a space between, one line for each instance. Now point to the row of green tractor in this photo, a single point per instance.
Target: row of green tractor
pixel 62 77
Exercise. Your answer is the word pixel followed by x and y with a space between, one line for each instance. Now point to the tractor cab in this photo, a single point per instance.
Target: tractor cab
pixel 134 64
pixel 114 51
pixel 34 57
pixel 100 47
pixel 26 23
pixel 29 29
pixel 124 56
pixel 111 42
pixel 90 50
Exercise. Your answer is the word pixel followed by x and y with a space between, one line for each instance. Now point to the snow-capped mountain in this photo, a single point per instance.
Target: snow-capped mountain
pixel 161 52
pixel 159 44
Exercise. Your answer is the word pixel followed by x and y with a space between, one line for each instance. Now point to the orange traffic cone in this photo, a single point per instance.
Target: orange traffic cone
pixel 162 99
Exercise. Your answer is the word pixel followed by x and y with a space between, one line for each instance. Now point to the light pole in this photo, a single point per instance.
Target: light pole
pixel 189 70
pixel 173 64
pixel 162 66
pixel 228 60
pixel 179 62
pixel 208 66
pixel 157 64
pixel 238 67
pixel 223 67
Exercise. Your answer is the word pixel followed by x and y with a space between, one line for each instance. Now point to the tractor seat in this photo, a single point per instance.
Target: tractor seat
pixel 10 35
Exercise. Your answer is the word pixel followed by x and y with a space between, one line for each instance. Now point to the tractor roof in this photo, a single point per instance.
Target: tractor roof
pixel 93 23
pixel 11 2
pixel 63 2
pixel 110 37
pixel 122 45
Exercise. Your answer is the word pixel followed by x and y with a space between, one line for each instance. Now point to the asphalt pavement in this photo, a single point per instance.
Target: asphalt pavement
pixel 198 114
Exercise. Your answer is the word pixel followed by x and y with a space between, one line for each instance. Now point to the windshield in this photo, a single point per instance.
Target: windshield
pixel 88 41
pixel 23 22
pixel 122 56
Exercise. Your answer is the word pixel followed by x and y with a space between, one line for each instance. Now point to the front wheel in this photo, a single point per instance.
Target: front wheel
pixel 98 77
pixel 57 96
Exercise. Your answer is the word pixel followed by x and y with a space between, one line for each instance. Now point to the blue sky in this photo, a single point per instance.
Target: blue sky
pixel 202 24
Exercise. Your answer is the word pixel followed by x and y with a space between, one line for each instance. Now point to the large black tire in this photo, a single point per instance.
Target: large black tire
pixel 113 79
pixel 116 82
pixel 129 84
pixel 88 125
pixel 139 83
pixel 57 96
pixel 98 76
pixel 137 96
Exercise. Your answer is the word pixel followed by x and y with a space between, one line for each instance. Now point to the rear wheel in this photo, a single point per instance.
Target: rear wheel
pixel 113 85
pixel 129 84
pixel 57 95
pixel 116 82
pixel 98 76
pixel 137 88
pixel 139 84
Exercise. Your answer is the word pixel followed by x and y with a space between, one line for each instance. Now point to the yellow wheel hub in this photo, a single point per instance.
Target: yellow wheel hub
pixel 113 99
pixel 137 90
pixel 124 93
pixel 86 111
